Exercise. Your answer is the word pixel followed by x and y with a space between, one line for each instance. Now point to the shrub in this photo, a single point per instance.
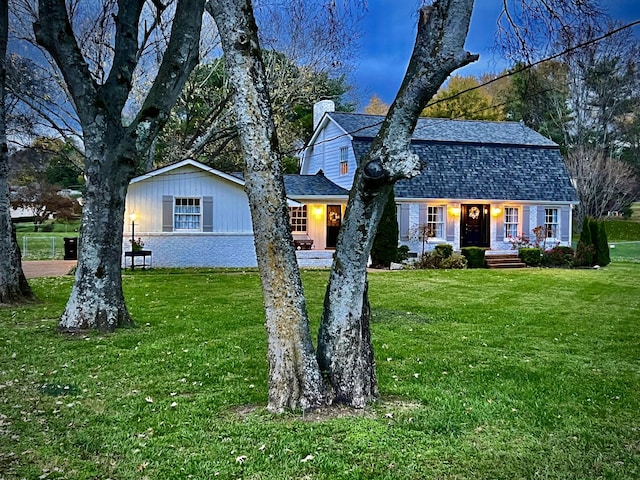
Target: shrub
pixel 385 243
pixel 530 256
pixel 428 260
pixel 433 260
pixel 474 256
pixel 585 248
pixel 558 257
pixel 46 227
pixel 602 247
pixel 454 261
pixel 444 250
pixel 403 253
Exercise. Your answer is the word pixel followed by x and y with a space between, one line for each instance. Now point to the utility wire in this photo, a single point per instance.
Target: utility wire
pixel 493 80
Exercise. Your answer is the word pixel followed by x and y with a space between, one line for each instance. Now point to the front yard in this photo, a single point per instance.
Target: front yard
pixel 519 374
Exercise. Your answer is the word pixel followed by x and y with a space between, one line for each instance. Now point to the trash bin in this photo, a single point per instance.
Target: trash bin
pixel 70 248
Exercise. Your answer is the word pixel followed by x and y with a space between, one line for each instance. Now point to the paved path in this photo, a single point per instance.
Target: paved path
pixel 47 268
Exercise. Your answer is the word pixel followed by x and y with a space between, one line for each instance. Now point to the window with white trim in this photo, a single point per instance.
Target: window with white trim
pixel 298 218
pixel 435 221
pixel 344 160
pixel 511 222
pixel 551 222
pixel 186 214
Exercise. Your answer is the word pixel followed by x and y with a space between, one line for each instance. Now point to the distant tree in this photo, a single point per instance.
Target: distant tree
pixel 538 96
pixel 13 284
pixel 454 101
pixel 43 201
pixel 202 123
pixel 385 244
pixel 64 163
pixel 603 184
pixel 376 106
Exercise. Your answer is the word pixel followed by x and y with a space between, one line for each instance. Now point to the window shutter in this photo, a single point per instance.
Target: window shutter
pixel 422 215
pixel 167 213
pixel 403 221
pixel 525 228
pixel 564 223
pixel 540 216
pixel 500 225
pixel 207 214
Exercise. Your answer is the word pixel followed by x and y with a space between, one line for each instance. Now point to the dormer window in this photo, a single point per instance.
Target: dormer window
pixel 344 160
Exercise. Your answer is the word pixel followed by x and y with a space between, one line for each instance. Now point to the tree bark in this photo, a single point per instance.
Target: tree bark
pixel 13 284
pixel 97 300
pixel 345 351
pixel 113 150
pixel 294 377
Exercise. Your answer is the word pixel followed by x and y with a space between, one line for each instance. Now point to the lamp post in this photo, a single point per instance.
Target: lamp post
pixel 133 217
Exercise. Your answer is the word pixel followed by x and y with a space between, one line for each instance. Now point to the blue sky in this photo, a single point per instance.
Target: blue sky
pixel 389 32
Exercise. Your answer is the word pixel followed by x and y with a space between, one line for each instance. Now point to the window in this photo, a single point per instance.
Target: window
pixel 551 222
pixel 511 222
pixel 344 160
pixel 298 218
pixel 435 221
pixel 186 214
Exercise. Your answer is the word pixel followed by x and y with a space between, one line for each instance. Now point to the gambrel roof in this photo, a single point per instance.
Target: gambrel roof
pixel 446 130
pixel 473 160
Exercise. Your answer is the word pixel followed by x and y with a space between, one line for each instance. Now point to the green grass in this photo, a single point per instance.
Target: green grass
pixel 42 245
pixel 484 375
pixel 622 230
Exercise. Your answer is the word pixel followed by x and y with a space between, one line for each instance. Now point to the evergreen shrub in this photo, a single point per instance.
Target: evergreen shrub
pixel 530 256
pixel 474 256
pixel 602 247
pixel 585 248
pixel 444 250
pixel 385 244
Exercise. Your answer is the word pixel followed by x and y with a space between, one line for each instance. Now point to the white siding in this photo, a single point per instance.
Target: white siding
pixel 230 206
pixel 229 245
pixel 325 155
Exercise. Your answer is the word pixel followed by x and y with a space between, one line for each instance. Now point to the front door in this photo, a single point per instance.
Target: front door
pixel 334 220
pixel 474 225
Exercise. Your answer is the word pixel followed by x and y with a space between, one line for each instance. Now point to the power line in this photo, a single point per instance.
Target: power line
pixel 493 80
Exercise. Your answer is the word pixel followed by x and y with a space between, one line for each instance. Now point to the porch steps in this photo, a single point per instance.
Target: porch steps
pixel 314 258
pixel 503 260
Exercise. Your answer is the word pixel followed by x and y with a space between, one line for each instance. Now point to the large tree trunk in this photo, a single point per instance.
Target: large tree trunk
pixel 13 284
pixel 113 150
pixel 294 377
pixel 97 300
pixel 344 340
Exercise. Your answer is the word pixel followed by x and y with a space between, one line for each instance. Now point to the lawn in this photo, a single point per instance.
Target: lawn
pixel 45 245
pixel 484 375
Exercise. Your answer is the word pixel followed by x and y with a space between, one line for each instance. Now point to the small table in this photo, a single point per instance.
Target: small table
pixel 138 253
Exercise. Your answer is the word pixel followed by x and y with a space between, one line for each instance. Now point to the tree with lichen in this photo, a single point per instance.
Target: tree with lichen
pixel 13 284
pixel 343 368
pixel 116 135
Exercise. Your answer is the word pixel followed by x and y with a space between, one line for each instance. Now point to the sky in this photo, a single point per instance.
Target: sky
pixel 388 34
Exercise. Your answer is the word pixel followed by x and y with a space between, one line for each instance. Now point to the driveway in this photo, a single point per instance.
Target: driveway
pixel 47 268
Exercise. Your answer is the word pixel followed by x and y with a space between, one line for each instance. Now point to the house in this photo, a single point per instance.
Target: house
pixel 191 215
pixel 483 184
